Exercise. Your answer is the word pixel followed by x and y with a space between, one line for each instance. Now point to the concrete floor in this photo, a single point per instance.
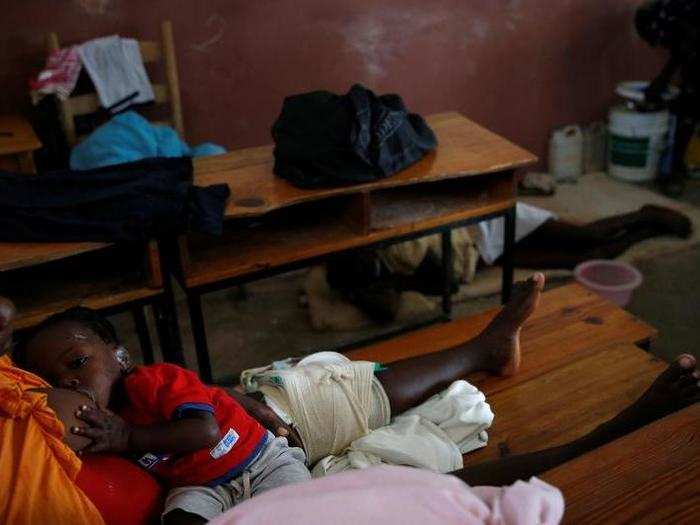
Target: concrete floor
pixel 270 324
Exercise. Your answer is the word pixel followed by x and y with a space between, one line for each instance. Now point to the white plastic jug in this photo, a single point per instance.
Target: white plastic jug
pixel 594 143
pixel 566 153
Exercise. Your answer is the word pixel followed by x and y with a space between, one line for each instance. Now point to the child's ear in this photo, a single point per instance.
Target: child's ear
pixel 123 357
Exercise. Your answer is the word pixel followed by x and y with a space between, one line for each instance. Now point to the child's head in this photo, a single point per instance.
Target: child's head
pixel 77 348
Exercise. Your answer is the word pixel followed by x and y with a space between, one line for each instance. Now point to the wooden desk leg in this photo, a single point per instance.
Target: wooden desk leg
pixel 166 310
pixel 26 162
pixel 144 336
pixel 447 272
pixel 507 260
pixel 199 334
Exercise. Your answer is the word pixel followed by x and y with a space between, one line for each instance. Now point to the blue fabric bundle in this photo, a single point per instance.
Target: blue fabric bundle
pixel 128 137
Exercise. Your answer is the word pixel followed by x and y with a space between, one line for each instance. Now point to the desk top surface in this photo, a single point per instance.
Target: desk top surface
pixel 464 149
pixel 16 135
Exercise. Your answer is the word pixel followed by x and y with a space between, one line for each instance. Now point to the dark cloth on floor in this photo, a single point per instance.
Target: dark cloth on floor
pixel 325 140
pixel 366 282
pixel 128 202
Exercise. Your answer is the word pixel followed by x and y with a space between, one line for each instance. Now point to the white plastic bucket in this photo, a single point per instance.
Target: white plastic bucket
pixel 636 141
pixel 566 153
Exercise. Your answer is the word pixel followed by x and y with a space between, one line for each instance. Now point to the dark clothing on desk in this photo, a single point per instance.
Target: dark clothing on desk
pixel 128 202
pixel 325 140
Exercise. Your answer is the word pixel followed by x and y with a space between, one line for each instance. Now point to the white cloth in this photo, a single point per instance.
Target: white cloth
pixel 116 68
pixel 489 234
pixel 343 417
pixel 431 436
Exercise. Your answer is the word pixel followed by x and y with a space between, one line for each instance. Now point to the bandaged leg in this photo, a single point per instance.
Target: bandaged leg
pixel 330 404
pixel 342 415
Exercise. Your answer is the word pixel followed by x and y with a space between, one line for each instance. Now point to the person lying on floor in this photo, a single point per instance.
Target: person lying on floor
pixel 406 383
pixel 373 280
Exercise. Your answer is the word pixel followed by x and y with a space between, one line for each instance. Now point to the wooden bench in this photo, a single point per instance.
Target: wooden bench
pixel 581 365
pixel 45 278
pixel 568 402
pixel 649 476
pixel 570 323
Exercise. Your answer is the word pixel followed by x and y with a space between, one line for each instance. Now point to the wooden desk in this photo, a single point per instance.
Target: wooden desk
pixel 465 149
pixel 275 227
pixel 18 142
pixel 15 255
pixel 650 476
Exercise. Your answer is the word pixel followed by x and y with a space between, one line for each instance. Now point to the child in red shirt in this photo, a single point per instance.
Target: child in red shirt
pixel 195 437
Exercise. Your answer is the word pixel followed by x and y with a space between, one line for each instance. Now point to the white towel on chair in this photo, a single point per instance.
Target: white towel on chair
pixel 116 68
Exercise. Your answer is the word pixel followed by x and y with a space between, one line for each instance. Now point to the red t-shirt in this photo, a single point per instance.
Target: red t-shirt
pixel 163 392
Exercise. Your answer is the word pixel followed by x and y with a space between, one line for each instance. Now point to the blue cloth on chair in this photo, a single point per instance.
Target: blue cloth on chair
pixel 128 137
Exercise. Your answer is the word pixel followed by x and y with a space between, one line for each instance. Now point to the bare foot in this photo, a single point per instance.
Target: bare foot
pixel 677 387
pixel 503 333
pixel 669 220
pixel 7 314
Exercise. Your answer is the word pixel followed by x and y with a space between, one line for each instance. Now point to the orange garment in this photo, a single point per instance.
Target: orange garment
pixel 37 470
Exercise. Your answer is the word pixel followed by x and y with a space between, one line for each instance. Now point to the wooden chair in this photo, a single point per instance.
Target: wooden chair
pixel 168 93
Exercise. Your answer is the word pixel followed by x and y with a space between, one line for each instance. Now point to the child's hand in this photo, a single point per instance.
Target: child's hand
pixel 109 432
pixel 266 417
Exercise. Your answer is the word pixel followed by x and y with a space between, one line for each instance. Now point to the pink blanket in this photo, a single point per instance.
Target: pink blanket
pixel 403 495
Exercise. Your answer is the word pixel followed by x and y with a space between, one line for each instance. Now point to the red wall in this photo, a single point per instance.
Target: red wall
pixel 520 67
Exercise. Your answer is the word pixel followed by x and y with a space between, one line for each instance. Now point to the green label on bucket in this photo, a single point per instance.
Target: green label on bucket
pixel 629 151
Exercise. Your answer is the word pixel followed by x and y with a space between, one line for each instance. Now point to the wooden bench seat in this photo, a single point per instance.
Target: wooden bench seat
pixel 568 402
pixel 102 279
pixel 650 476
pixel 569 324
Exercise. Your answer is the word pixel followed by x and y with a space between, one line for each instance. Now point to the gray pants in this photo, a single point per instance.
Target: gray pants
pixel 277 464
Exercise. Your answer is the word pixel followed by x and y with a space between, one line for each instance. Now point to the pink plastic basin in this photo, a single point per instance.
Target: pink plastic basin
pixel 614 280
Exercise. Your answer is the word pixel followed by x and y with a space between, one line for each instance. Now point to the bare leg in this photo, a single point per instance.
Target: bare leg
pixel 676 388
pixel 562 233
pixel 497 349
pixel 651 218
pixel 556 256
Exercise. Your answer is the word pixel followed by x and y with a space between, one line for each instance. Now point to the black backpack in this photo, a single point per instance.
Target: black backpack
pixel 324 140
